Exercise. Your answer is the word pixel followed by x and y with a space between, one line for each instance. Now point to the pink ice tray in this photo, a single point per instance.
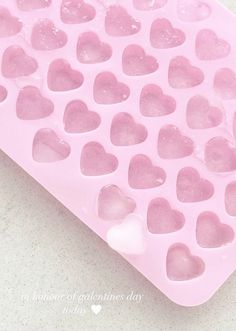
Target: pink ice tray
pixel 125 110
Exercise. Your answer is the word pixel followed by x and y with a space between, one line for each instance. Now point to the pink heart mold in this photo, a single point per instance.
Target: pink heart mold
pixel 76 12
pixel 149 4
pixel 230 198
pixel 28 5
pixel 3 93
pixel 9 25
pixel 225 83
pixel 193 10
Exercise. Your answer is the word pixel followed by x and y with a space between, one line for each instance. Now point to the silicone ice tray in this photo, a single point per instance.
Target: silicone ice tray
pixel 125 112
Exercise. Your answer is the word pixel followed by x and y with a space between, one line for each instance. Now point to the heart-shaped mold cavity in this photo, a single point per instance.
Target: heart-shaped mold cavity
pixel 107 90
pixel 161 218
pixel 193 10
pixel 143 174
pixel 61 77
pixel 31 105
pixel 113 204
pixel 190 187
pixel 225 83
pixel 200 115
pixel 211 233
pixel 128 237
pixel 95 161
pixel 210 47
pixel 16 63
pixel 27 5
pixel 230 198
pixel 125 132
pixel 9 25
pixel 49 147
pixel 3 93
pixel 183 75
pixel 181 265
pixel 90 49
pixel 78 119
pixel 153 102
pixel 163 35
pixel 220 155
pixel 234 126
pixel 135 61
pixel 149 4
pixel 172 144
pixel 76 11
pixel 45 36
pixel 119 23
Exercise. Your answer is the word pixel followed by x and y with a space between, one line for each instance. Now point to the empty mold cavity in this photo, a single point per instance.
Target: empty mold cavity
pixel 136 62
pixel 76 11
pixel 119 23
pixel 172 144
pixel 183 75
pixel 225 83
pixel 143 174
pixel 95 161
pixel 153 102
pixel 190 187
pixel 193 10
pixel 28 5
pixel 113 204
pixel 181 265
pixel 108 90
pixel 125 132
pixel 61 77
pixel 211 233
pixel 49 147
pixel 9 25
pixel 45 36
pixel 16 63
pixel 220 155
pixel 3 93
pixel 149 4
pixel 230 198
pixel 78 119
pixel 164 35
pixel 31 105
pixel 90 49
pixel 161 218
pixel 201 115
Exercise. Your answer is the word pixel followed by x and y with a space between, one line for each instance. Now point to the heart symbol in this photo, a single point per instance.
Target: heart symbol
pixel 31 105
pixel 45 36
pixel 220 155
pixel 61 77
pixel 172 144
pixel 200 115
pixel 119 23
pixel 153 102
pixel 3 93
pixel 183 75
pixel 163 35
pixel 76 11
pixel 16 63
pixel 107 90
pixel 230 198
pixel 191 187
pixel 96 309
pixel 90 49
pixel 127 237
pixel 113 204
pixel 210 47
pixel 95 161
pixel 225 83
pixel 143 175
pixel 193 10
pixel 31 5
pixel 181 265
pixel 161 218
pixel 78 119
pixel 135 62
pixel 9 25
pixel 48 147
pixel 149 4
pixel 211 233
pixel 125 132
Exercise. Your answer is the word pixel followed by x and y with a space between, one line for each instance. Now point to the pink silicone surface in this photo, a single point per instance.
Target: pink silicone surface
pixel 126 112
